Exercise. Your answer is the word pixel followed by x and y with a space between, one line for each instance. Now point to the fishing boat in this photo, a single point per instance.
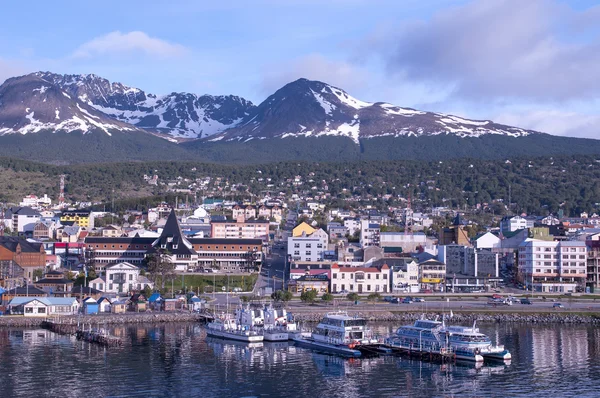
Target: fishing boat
pixel 227 327
pixel 339 333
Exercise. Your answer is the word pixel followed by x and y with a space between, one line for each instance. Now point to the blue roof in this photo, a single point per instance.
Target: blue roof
pixel 44 300
pixel 154 297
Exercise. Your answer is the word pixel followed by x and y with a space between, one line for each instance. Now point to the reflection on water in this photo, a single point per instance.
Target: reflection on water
pixel 180 360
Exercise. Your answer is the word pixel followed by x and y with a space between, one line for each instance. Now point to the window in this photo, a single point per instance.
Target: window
pixel 308 253
pixel 369 288
pixel 41 310
pixel 384 276
pixel 343 277
pixel 368 276
pixel 335 277
pixel 377 276
pixel 308 245
pixel 296 245
pixel 130 277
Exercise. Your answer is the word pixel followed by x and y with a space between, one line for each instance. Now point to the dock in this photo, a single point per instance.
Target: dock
pixel 96 336
pixel 432 353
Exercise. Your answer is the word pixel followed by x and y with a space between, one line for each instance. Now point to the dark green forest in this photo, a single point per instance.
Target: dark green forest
pixel 540 185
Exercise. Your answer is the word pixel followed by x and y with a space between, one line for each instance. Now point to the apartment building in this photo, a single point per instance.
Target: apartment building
pixel 369 234
pixel 593 263
pixel 240 229
pixel 552 266
pixel 308 247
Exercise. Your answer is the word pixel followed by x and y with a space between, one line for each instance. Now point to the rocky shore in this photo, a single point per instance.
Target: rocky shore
pixel 313 316
pixel 466 317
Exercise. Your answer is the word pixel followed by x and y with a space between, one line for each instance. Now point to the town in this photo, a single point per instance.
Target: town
pixel 64 258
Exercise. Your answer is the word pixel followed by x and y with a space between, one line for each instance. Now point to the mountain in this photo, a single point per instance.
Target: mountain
pixel 84 118
pixel 28 104
pixel 307 108
pixel 176 115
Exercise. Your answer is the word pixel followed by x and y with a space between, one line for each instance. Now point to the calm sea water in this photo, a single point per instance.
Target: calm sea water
pixel 179 360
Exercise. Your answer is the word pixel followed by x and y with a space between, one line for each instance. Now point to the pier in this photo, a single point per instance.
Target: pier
pixel 97 336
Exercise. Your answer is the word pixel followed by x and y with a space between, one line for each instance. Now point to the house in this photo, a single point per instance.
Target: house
pixel 80 217
pixel 98 284
pixel 156 302
pixel 404 273
pixel 432 275
pixel 22 291
pixel 123 277
pixel 55 283
pixel 43 306
pixel 488 241
pixel 111 232
pixel 86 291
pixel 104 305
pixel 515 223
pixel 360 279
pixel 90 306
pixel 69 233
pixel 170 304
pixel 138 303
pixel 44 230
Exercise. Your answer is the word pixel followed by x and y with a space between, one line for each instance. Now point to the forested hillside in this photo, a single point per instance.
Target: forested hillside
pixel 536 185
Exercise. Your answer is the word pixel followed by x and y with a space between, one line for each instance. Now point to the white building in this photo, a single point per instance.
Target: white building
pixel 405 277
pixel 353 225
pixel 515 223
pixel 44 306
pixel 24 219
pixel 121 278
pixel 308 247
pixel 369 234
pixel 360 279
pixel 551 266
pixel 408 242
pixel 35 202
pixel 488 241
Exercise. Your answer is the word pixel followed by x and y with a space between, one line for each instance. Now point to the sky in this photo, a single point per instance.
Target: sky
pixel 528 63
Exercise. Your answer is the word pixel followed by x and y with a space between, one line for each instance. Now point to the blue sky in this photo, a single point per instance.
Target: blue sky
pixel 530 63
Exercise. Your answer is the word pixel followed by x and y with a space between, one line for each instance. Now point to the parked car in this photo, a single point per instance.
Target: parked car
pixel 419 300
pixel 525 301
pixel 557 305
pixel 407 300
pixel 395 300
pixel 388 299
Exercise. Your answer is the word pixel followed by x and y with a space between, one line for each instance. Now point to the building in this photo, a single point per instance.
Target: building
pixel 432 275
pixel 112 231
pixel 23 219
pixel 352 225
pixel 406 242
pixel 455 233
pixel 308 247
pixel 193 254
pixel 551 266
pixel 121 278
pixel 43 306
pixel 318 282
pixel 360 279
pixel 246 212
pixel 369 234
pixel 593 263
pixel 512 224
pixel 404 275
pixel 469 261
pixel 44 230
pixel 302 229
pixel 27 255
pixel 80 217
pixel 34 202
pixel 240 229
pixel 55 283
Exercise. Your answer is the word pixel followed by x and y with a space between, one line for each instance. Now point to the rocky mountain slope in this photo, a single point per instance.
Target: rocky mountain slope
pixel 177 115
pixel 307 108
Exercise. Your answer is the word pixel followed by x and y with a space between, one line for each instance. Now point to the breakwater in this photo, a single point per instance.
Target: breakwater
pixel 464 317
pixel 108 319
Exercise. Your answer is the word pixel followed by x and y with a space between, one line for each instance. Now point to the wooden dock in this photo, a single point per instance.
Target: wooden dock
pixel 97 336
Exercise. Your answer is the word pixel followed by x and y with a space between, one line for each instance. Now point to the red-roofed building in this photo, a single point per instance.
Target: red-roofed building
pixel 360 279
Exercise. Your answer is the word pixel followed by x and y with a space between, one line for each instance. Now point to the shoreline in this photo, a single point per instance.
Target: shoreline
pixel 315 315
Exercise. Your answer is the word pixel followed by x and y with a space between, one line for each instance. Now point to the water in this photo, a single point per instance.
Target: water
pixel 178 360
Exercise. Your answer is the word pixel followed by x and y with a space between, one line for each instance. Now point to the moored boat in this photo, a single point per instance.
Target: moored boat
pixel 227 327
pixel 339 333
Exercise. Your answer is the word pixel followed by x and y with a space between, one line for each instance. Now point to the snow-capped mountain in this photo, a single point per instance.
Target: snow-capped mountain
pixel 30 104
pixel 307 108
pixel 179 115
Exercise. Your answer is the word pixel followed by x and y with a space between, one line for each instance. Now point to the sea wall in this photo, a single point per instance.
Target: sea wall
pixel 108 319
pixel 466 317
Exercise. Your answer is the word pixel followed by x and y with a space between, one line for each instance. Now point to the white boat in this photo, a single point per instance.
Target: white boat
pixel 469 338
pixel 339 333
pixel 279 325
pixel 465 343
pixel 226 327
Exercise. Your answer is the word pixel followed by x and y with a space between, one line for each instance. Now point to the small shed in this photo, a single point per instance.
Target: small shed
pixel 156 302
pixel 171 304
pixel 138 303
pixel 90 306
pixel 118 307
pixel 104 304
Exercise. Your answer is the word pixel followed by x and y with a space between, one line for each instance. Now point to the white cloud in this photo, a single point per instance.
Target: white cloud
pixel 499 48
pixel 117 43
